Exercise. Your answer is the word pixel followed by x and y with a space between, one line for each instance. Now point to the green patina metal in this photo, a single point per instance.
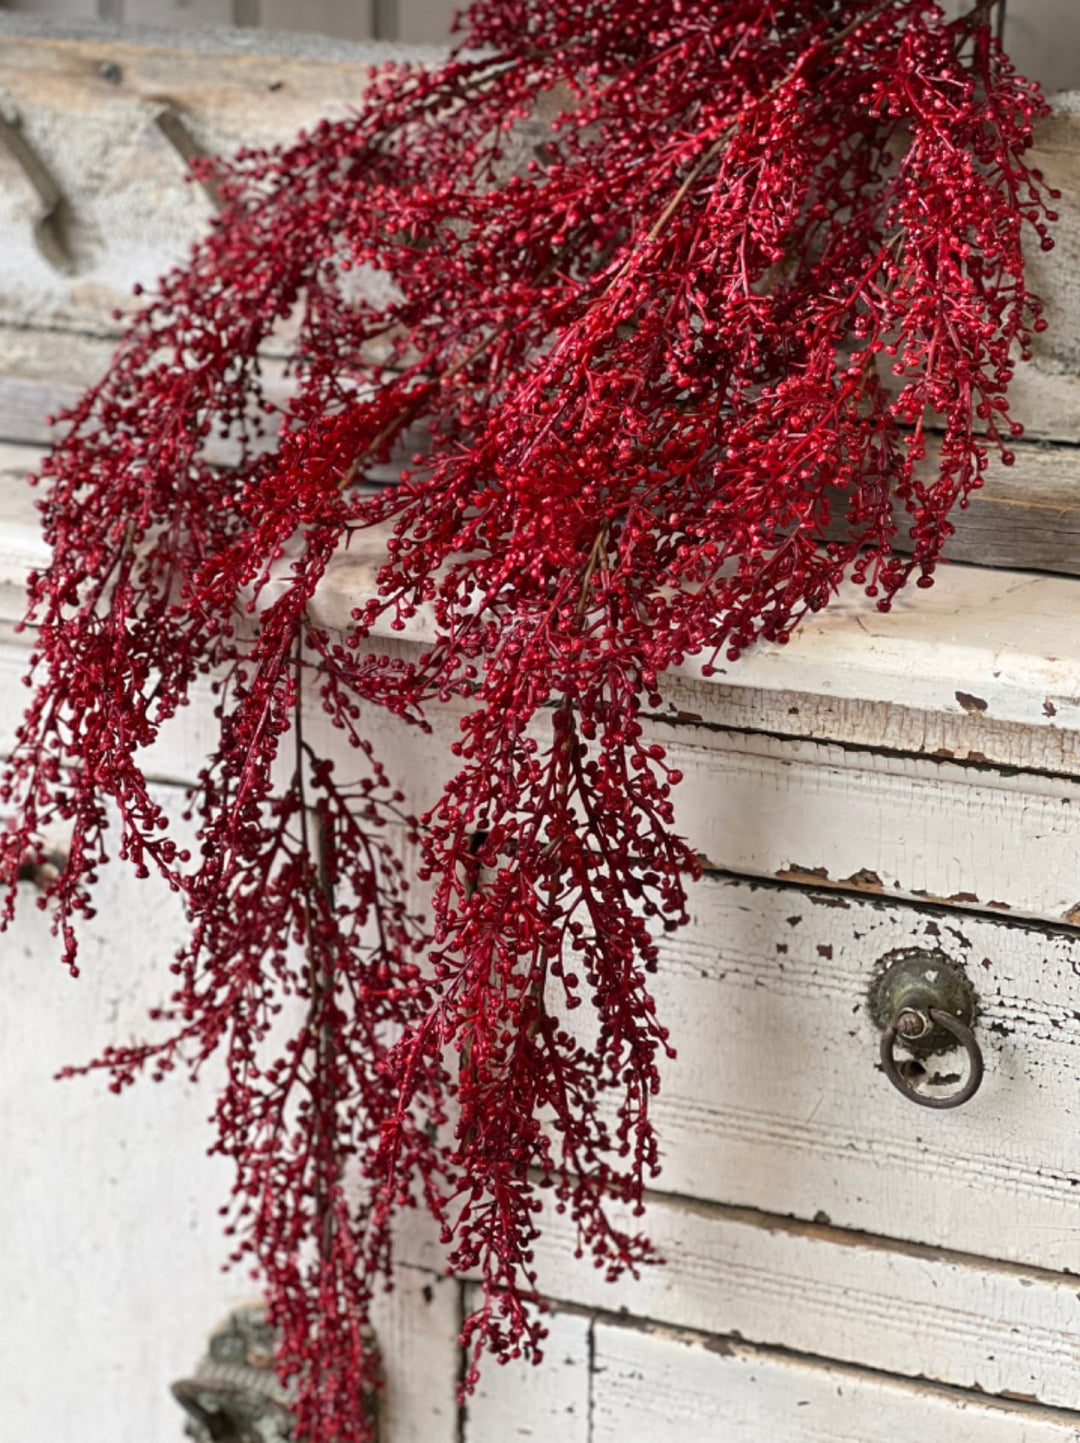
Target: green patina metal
pixel 911 981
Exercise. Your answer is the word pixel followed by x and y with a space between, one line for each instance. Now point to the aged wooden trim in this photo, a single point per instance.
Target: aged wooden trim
pixel 651 1382
pixel 849 675
pixel 1006 639
pixel 89 97
pixel 656 1382
pixel 1027 516
pixel 912 1316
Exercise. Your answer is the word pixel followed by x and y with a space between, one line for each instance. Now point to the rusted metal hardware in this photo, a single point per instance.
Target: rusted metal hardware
pixel 924 998
pixel 234 1395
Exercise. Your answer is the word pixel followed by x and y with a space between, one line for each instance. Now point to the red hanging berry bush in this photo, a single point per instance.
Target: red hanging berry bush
pixel 675 373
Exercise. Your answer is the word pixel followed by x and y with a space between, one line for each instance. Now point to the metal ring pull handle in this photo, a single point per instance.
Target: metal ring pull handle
pixel 924 997
pixel 934 1017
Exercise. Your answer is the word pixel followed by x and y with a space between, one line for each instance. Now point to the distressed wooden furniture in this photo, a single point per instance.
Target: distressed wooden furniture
pixel 840 1263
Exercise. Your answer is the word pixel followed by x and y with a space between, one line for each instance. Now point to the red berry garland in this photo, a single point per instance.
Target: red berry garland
pixel 653 367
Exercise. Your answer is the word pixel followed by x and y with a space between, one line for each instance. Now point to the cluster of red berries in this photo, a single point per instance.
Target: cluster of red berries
pixel 678 363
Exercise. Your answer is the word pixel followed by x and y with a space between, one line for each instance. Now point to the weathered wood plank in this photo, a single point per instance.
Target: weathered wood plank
pixel 41 373
pixel 1055 275
pixel 178 14
pixel 87 106
pixel 57 9
pixel 21 546
pixel 776 1099
pixel 417 1327
pixel 547 1402
pixel 1006 666
pixel 426 21
pixel 86 101
pixel 653 1384
pixel 1025 516
pixel 981 652
pixel 908 1310
pixel 882 824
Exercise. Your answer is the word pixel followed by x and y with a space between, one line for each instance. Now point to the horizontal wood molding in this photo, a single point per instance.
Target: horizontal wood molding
pixel 834 1295
pixel 1027 516
pixel 644 1382
pixel 654 1383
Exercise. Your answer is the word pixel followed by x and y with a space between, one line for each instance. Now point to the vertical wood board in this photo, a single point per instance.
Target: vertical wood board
pixel 545 1403
pixel 109 1206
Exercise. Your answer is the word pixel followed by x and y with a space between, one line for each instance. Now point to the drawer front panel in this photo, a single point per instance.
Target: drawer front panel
pixel 820 1291
pixel 652 1385
pixel 777 1100
pixel 636 1382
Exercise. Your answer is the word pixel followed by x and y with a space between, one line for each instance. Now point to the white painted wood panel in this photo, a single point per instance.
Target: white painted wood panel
pixel 881 823
pixel 412 22
pixel 776 1099
pixel 1004 685
pixel 903 1309
pixel 865 821
pixel 653 1385
pixel 548 1402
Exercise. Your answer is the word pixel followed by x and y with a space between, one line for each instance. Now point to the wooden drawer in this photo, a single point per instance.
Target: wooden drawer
pixel 804 1204
pixel 644 1382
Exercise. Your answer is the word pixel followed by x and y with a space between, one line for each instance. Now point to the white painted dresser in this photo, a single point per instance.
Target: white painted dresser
pixel 840 1264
